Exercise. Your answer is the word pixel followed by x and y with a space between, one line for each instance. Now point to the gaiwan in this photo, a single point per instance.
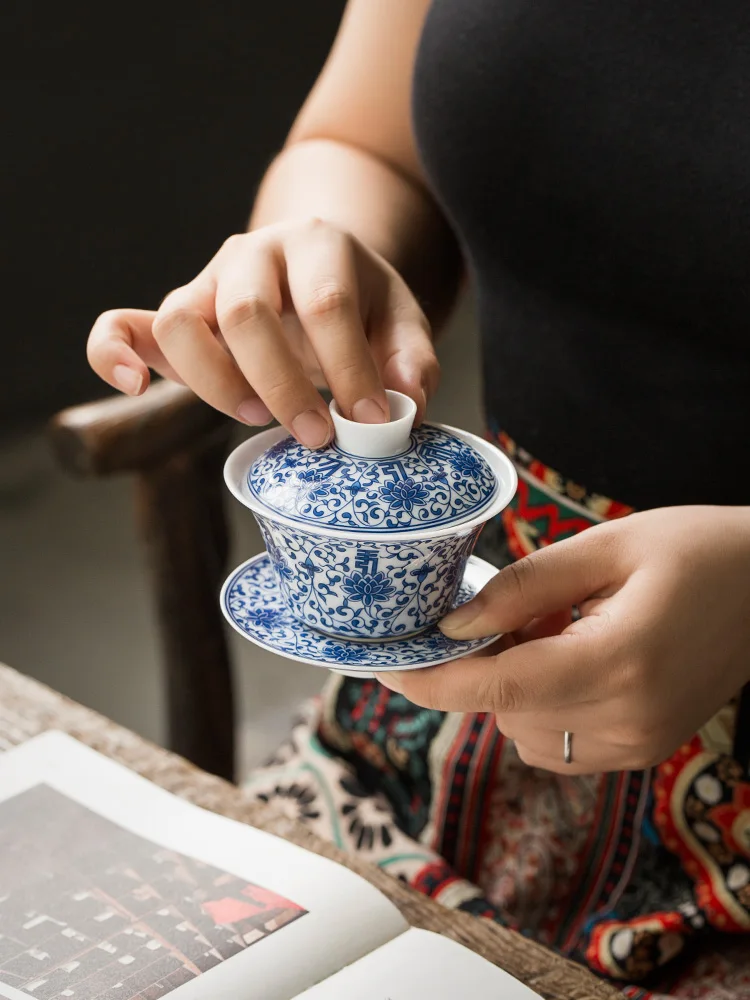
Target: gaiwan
pixel 369 537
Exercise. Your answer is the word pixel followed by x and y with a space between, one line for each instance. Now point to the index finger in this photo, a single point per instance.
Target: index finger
pixel 540 675
pixel 121 349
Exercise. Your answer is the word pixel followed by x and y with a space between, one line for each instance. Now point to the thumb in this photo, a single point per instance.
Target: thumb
pixel 405 354
pixel 547 582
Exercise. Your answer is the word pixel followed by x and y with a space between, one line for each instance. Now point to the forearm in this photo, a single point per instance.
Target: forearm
pixel 387 211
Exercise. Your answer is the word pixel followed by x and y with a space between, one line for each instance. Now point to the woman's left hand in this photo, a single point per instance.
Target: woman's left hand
pixel 662 643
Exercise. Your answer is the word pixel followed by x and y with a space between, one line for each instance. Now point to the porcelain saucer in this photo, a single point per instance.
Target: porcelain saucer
pixel 253 605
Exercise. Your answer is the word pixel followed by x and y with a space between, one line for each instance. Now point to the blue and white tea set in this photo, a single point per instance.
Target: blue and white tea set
pixel 368 541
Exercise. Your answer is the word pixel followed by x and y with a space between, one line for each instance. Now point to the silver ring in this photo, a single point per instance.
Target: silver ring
pixel 568 747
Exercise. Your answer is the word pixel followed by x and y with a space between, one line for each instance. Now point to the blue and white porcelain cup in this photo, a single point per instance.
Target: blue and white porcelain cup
pixel 369 537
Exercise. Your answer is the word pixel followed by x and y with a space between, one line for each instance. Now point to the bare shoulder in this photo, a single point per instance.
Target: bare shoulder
pixel 363 94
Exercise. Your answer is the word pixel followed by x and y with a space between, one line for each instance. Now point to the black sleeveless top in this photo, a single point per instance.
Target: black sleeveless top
pixel 594 158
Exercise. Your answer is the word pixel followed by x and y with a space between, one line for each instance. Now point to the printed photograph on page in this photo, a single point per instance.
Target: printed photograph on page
pixel 91 910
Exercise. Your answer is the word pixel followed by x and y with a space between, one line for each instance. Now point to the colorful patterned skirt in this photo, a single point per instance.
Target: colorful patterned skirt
pixel 642 876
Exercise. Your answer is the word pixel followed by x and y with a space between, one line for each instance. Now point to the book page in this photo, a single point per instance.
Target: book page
pixel 113 889
pixel 421 964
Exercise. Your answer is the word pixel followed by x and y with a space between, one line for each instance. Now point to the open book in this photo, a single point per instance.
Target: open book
pixel 113 889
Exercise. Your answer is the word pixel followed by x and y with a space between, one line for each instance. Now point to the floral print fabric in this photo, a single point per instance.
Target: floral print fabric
pixel 643 876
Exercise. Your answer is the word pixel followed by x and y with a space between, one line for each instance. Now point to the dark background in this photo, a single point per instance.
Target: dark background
pixel 133 139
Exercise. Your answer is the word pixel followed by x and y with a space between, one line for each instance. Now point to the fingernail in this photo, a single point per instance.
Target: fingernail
pixel 459 619
pixel 254 412
pixel 311 429
pixel 128 379
pixel 367 411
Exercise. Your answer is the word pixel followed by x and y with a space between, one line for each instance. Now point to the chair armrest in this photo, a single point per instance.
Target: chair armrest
pixel 128 434
pixel 175 446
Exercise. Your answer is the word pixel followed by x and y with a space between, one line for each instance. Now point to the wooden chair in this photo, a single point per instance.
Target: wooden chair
pixel 175 446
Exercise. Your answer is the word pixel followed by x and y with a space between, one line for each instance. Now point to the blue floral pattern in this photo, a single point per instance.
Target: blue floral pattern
pixel 440 480
pixel 404 494
pixel 366 589
pixel 254 587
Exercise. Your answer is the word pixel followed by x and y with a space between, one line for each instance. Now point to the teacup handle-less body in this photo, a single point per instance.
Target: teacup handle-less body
pixel 369 538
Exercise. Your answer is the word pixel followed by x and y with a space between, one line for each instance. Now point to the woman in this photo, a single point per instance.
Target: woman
pixel 588 163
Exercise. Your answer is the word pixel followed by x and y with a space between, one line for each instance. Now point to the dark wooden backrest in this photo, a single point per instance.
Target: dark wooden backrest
pixel 174 445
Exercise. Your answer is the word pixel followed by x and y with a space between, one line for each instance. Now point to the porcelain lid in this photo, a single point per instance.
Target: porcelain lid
pixel 376 478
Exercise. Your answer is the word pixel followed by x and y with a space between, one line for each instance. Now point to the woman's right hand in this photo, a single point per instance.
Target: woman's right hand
pixel 271 310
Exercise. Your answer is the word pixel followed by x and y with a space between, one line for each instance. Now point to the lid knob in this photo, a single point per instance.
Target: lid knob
pixel 376 440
